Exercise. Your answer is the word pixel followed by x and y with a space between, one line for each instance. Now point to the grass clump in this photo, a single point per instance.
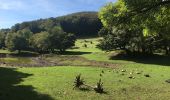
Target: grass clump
pixel 78 81
pixel 99 87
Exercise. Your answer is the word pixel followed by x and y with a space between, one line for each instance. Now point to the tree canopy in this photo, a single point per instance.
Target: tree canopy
pixel 81 24
pixel 56 39
pixel 18 40
pixel 146 24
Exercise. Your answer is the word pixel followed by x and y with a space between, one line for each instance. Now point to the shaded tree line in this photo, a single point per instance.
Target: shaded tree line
pixel 45 41
pixel 83 24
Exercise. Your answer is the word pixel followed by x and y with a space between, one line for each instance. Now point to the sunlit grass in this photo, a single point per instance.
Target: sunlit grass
pixel 58 82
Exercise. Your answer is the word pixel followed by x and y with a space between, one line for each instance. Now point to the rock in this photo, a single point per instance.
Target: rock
pixel 123 70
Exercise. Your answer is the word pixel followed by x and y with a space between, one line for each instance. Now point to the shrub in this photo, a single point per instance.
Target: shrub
pixel 99 87
pixel 78 81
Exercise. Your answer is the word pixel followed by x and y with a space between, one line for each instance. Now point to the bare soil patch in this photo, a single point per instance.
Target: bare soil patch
pixel 57 60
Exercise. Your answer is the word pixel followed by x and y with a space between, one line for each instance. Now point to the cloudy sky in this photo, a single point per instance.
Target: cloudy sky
pixel 16 11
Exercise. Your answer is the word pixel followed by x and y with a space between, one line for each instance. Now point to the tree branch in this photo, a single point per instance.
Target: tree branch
pixel 139 11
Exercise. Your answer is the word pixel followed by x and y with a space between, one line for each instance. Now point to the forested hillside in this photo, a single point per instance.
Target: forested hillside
pixel 48 35
pixel 81 24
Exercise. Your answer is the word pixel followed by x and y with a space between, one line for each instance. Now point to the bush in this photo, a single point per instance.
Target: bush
pixel 78 81
pixel 99 87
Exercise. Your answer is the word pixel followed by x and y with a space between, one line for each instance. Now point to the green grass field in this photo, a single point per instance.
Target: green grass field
pixel 56 83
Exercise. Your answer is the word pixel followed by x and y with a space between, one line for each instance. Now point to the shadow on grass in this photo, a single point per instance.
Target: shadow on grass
pixel 88 89
pixel 9 90
pixel 24 54
pixel 145 59
pixel 84 89
pixel 75 53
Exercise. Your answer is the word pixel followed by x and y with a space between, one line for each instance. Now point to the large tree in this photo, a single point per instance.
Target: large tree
pixel 147 21
pixel 61 40
pixel 40 42
pixel 18 40
pixel 3 33
pixel 2 39
pixel 55 39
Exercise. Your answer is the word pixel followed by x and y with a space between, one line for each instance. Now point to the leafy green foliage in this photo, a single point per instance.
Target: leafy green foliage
pixel 3 33
pixel 104 31
pixel 146 25
pixel 18 41
pixel 2 39
pixel 40 42
pixel 81 24
pixel 56 39
pixel 61 40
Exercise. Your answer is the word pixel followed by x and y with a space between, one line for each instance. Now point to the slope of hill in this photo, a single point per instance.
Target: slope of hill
pixel 81 24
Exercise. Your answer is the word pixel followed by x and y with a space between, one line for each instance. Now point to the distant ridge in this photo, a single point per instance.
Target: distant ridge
pixel 80 23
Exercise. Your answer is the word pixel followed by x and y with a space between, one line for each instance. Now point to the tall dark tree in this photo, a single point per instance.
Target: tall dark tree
pixel 61 40
pixel 55 39
pixel 3 33
pixel 40 42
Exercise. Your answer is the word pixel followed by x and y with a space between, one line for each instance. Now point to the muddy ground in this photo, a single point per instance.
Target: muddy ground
pixel 51 60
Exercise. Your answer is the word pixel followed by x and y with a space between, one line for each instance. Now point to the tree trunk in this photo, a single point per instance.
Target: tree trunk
pixel 19 51
pixel 167 50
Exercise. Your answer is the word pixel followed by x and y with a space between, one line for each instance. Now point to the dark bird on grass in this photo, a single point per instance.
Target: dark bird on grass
pixel 101 75
pixel 102 71
pixel 131 77
pixel 147 75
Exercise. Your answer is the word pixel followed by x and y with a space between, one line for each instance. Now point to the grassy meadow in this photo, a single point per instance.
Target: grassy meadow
pixel 124 80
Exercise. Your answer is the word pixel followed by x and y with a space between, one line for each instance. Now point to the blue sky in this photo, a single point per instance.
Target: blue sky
pixel 16 11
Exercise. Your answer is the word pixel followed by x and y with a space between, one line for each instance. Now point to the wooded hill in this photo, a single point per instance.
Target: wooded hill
pixel 81 24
